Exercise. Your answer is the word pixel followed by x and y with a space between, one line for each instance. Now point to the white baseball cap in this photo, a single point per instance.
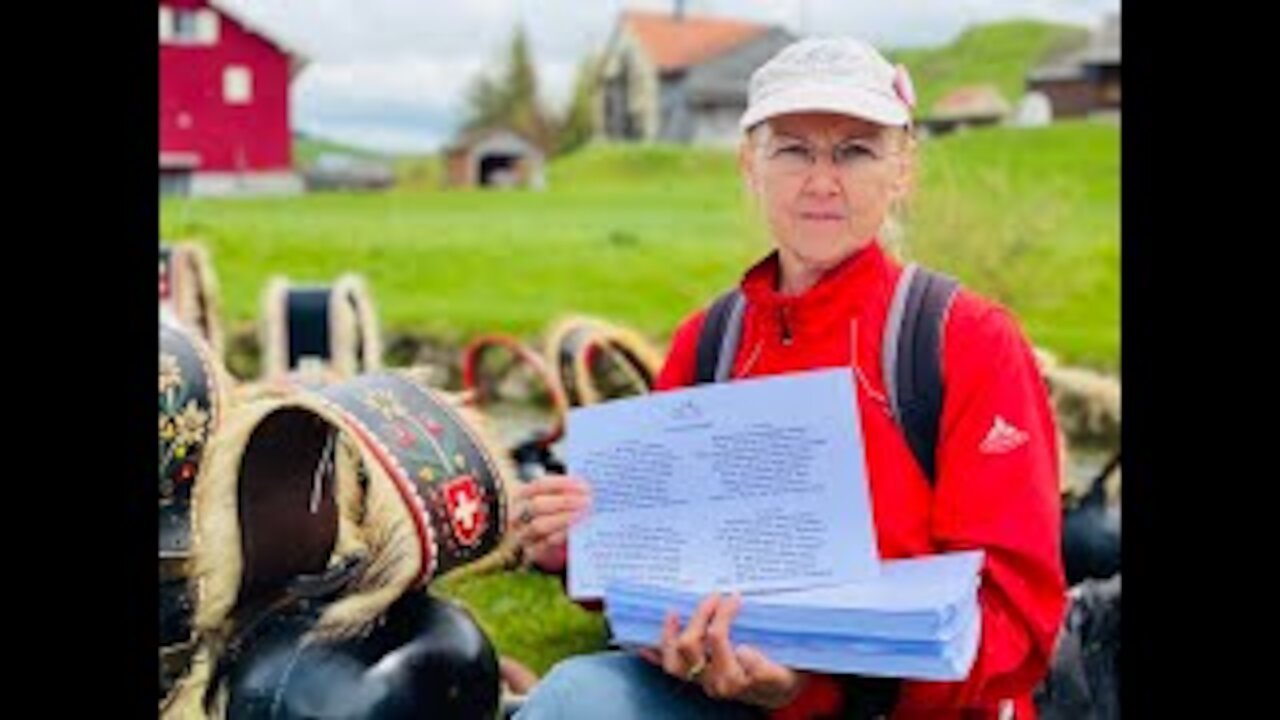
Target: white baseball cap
pixel 839 75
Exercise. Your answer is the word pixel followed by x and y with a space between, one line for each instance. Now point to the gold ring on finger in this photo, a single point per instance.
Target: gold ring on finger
pixel 696 670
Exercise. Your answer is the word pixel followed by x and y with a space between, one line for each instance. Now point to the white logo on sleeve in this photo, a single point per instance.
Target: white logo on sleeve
pixel 1002 437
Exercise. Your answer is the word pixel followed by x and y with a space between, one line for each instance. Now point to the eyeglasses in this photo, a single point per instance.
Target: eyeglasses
pixel 794 157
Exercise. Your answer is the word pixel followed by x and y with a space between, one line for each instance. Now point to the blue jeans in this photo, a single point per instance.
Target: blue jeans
pixel 622 686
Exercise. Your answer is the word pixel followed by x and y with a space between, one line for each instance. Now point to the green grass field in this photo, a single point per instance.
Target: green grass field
pixel 644 235
pixel 528 616
pixel 1032 219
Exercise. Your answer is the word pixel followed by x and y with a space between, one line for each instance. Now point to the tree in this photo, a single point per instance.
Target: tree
pixel 578 124
pixel 486 103
pixel 507 96
pixel 510 97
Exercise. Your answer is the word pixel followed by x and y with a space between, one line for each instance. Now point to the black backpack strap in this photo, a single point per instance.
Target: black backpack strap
pixel 718 341
pixel 912 358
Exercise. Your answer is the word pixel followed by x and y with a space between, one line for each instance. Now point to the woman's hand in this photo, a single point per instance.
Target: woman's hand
pixel 701 653
pixel 543 511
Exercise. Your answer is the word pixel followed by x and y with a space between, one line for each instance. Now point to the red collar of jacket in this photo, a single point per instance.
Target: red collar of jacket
pixel 856 284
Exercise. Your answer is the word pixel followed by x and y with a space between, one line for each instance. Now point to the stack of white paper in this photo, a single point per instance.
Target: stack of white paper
pixel 919 619
pixel 760 486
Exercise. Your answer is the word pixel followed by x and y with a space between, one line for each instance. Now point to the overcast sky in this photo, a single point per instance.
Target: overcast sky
pixel 392 74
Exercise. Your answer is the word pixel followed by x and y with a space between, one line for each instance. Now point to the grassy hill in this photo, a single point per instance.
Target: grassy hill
pixel 306 148
pixel 412 170
pixel 997 53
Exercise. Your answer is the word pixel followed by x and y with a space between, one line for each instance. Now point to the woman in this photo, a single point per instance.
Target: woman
pixel 827 153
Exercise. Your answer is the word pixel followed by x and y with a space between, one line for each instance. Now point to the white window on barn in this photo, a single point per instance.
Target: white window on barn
pixel 237 85
pixel 166 24
pixel 189 27
pixel 184 26
pixel 207 27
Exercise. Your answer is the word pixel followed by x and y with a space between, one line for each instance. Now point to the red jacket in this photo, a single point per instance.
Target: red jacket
pixel 996 490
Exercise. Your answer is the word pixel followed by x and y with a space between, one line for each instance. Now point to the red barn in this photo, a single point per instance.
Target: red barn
pixel 224 103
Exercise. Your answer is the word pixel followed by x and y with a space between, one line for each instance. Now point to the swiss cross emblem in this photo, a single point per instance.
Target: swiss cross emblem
pixel 467 513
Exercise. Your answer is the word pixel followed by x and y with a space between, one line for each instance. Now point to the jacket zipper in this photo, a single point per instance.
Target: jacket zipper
pixel 784 326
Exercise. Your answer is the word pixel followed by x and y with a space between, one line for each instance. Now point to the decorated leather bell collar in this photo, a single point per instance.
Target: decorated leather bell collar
pixel 481 382
pixel 189 290
pixel 191 407
pixel 448 476
pixel 166 276
pixel 584 351
pixel 319 331
pixel 378 465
